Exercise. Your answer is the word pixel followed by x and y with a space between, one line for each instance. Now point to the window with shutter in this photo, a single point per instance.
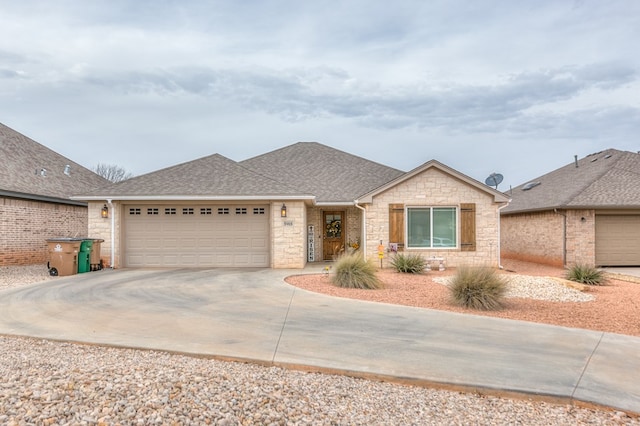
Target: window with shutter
pixel 396 225
pixel 468 227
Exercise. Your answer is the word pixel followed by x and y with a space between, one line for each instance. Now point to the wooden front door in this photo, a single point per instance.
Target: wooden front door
pixel 333 241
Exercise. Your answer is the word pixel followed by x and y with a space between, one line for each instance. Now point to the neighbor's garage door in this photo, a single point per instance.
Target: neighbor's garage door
pixel 196 236
pixel 617 240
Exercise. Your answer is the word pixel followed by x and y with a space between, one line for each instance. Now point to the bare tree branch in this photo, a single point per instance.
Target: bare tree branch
pixel 112 172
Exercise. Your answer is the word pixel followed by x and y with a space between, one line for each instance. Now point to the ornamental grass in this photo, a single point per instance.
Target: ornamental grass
pixel 478 288
pixel 586 275
pixel 353 271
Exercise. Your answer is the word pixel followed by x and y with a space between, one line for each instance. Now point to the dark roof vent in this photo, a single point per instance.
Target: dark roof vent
pixel 530 185
pixel 594 160
pixel 607 156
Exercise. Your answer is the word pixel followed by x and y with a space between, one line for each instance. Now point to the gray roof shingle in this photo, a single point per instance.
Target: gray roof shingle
pixel 22 175
pixel 606 179
pixel 208 177
pixel 328 173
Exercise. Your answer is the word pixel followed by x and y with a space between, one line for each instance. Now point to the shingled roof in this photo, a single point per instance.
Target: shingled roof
pixel 305 170
pixel 211 177
pixel 32 171
pixel 333 176
pixel 606 179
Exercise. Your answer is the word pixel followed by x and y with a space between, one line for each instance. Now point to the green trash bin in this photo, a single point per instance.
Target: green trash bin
pixel 84 256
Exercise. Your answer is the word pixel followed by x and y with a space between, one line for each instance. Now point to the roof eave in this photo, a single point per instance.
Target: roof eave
pixel 35 197
pixel 193 197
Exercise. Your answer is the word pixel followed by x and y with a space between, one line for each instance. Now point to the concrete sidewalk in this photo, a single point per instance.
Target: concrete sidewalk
pixel 253 315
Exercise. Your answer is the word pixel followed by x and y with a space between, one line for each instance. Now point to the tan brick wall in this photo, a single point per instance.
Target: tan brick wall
pixel 288 236
pixel 436 188
pixel 25 225
pixel 540 237
pixel 581 237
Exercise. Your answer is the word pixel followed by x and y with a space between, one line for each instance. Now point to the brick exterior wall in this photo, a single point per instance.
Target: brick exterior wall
pixel 25 225
pixel 436 188
pixel 540 237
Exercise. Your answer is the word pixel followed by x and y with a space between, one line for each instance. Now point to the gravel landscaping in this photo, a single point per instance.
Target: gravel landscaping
pixel 58 383
pixel 536 293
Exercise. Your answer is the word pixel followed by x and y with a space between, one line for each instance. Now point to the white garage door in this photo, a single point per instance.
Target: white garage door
pixel 196 236
pixel 618 240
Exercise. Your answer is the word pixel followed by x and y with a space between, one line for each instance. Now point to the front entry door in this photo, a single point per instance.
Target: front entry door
pixel 333 241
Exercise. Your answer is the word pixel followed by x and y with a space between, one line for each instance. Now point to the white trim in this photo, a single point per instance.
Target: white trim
pixel 196 198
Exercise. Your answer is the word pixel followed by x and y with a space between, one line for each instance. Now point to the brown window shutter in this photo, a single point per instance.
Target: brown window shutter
pixel 468 227
pixel 396 225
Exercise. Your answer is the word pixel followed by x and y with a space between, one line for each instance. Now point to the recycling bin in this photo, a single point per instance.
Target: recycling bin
pixel 63 256
pixel 84 256
pixel 95 262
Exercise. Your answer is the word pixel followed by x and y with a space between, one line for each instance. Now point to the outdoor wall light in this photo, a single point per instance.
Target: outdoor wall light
pixel 104 212
pixel 283 211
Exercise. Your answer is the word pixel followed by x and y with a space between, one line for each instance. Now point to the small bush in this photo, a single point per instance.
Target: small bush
pixel 477 288
pixel 353 271
pixel 409 263
pixel 586 275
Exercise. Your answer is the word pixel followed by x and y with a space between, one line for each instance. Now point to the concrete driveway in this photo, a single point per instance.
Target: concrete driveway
pixel 253 315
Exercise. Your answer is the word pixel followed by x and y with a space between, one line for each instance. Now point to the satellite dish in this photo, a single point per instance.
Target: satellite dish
pixel 494 179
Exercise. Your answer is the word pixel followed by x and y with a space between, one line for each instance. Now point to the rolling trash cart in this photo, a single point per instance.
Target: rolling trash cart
pixel 63 256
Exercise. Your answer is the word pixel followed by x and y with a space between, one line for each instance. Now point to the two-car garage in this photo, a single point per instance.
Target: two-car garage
pixel 196 235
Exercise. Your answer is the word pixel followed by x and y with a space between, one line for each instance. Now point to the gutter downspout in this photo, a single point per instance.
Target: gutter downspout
pixel 364 227
pixel 113 232
pixel 500 233
pixel 564 237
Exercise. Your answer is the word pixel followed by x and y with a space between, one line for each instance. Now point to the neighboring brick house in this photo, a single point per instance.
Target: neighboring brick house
pixel 302 203
pixel 587 212
pixel 35 186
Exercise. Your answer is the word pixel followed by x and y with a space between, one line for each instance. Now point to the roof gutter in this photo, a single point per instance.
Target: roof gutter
pixel 44 198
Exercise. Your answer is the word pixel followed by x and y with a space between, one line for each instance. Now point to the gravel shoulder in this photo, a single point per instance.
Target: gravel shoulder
pixel 539 295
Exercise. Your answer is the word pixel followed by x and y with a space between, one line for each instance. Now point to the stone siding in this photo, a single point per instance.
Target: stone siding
pixel 100 228
pixel 434 188
pixel 26 224
pixel 289 236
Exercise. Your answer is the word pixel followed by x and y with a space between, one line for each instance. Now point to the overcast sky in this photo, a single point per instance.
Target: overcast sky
pixel 514 87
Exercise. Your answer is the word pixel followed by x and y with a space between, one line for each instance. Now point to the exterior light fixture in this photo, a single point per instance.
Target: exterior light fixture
pixel 283 210
pixel 104 212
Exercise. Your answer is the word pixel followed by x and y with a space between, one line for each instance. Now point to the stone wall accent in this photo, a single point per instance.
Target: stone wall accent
pixel 436 188
pixel 26 224
pixel 100 228
pixel 289 236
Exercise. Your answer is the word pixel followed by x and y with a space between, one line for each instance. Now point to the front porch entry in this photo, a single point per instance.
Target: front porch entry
pixel 333 241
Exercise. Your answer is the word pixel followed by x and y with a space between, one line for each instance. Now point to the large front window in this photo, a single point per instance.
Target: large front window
pixel 431 227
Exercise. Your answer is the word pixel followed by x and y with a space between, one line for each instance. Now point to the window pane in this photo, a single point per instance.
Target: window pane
pixel 419 228
pixel 444 227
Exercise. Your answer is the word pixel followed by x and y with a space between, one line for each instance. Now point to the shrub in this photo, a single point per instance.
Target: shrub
pixel 409 263
pixel 353 271
pixel 586 275
pixel 477 288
